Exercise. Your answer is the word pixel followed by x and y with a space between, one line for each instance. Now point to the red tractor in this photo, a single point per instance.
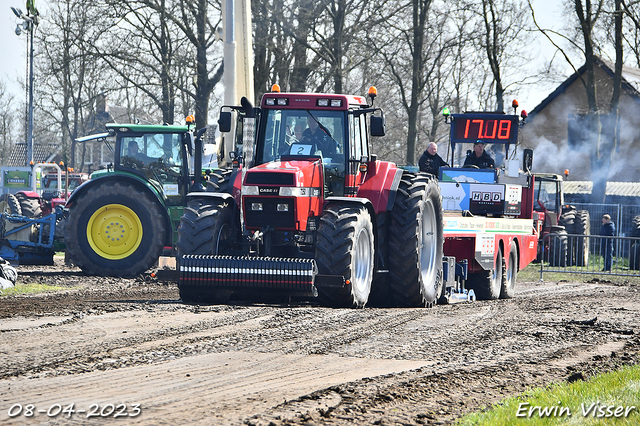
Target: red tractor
pixel 557 219
pixel 310 211
pixel 55 190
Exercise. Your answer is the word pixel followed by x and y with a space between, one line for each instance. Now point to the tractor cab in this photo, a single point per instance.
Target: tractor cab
pixel 306 135
pixel 156 154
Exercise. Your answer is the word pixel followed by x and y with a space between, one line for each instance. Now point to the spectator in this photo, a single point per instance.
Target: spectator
pixel 479 157
pixel 430 161
pixel 608 229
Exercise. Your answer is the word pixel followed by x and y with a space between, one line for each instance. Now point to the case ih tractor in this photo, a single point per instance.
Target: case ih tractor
pixel 122 219
pixel 312 212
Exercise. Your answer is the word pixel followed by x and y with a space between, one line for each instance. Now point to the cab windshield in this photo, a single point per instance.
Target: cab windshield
pixel 303 133
pixel 545 194
pixel 158 157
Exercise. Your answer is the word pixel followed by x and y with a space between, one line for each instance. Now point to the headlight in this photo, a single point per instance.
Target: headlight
pixel 250 190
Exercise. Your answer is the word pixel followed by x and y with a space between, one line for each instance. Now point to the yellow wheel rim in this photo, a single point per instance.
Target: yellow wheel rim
pixel 114 231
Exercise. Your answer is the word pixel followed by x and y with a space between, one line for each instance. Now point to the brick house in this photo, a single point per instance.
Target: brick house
pixel 556 128
pixel 96 156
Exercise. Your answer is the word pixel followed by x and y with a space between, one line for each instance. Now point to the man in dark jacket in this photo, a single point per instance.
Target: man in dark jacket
pixel 609 229
pixel 319 138
pixel 430 161
pixel 479 157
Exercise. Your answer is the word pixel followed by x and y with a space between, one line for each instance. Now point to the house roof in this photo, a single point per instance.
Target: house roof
pixel 42 153
pixel 620 189
pixel 630 83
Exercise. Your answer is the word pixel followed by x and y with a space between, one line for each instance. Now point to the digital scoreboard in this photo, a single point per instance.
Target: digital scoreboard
pixel 490 128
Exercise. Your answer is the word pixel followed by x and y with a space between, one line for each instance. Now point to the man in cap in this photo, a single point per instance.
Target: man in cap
pixel 479 157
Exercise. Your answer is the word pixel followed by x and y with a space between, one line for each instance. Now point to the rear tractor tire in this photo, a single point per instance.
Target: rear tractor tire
pixel 115 229
pixel 345 246
pixel 582 226
pixel 30 206
pixel 10 204
pixel 416 242
pixel 220 180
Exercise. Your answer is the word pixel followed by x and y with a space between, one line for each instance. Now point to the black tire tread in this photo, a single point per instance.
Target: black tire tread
pixel 558 248
pixel 582 226
pixel 30 206
pixel 10 204
pixel 404 229
pixel 198 224
pixel 481 283
pixel 220 181
pixel 334 248
pixel 197 234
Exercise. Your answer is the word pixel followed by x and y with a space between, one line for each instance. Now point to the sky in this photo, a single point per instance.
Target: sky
pixel 13 48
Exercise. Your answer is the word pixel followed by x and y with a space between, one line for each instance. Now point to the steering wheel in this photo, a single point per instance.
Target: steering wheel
pixel 131 162
pixel 162 169
pixel 472 166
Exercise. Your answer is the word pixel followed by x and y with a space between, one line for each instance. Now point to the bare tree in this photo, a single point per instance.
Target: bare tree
pixel 602 137
pixel 143 48
pixel 198 21
pixel 501 26
pixel 7 123
pixel 69 80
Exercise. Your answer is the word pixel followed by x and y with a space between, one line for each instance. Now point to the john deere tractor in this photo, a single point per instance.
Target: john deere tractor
pixel 124 217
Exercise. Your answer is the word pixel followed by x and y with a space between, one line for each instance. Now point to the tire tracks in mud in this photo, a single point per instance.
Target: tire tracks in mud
pixel 91 356
pixel 432 364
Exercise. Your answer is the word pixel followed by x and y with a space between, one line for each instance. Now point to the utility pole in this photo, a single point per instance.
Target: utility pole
pixel 29 22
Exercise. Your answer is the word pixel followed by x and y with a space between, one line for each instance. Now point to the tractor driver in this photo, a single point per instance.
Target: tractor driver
pixel 317 136
pixel 479 157
pixel 134 151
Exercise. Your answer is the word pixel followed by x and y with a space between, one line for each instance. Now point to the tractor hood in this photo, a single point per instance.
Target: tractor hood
pixel 283 195
pixel 294 173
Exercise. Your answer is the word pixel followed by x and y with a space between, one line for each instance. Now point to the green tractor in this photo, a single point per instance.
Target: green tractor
pixel 126 216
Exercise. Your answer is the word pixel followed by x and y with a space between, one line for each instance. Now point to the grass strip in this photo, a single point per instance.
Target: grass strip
pixel 30 289
pixel 608 399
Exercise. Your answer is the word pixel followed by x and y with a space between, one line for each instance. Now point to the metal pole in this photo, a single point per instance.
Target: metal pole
pixel 30 122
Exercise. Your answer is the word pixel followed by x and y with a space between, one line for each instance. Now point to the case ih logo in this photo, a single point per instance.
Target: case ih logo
pixel 268 190
pixel 486 197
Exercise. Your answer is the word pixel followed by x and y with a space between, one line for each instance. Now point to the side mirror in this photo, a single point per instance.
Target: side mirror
pixel 377 126
pixel 224 122
pixel 527 161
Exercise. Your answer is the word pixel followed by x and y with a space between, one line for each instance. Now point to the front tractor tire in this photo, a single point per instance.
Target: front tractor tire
pixel 115 229
pixel 206 227
pixel 345 246
pixel 416 242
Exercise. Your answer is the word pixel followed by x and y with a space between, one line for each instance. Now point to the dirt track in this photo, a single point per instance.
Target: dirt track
pixel 116 341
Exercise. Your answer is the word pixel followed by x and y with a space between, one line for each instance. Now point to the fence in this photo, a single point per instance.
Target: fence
pixel 622 215
pixel 587 254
